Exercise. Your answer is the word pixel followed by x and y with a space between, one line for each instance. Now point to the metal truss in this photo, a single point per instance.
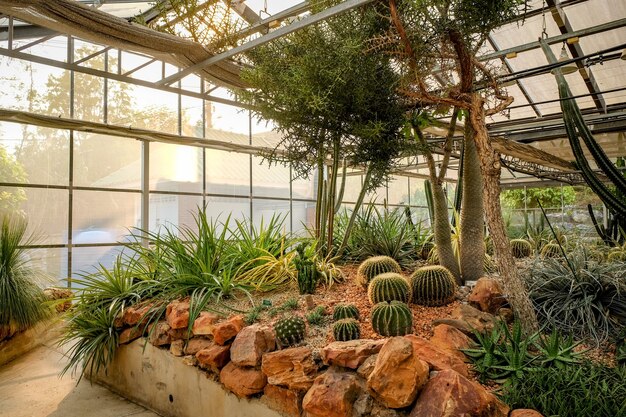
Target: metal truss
pixel 540 171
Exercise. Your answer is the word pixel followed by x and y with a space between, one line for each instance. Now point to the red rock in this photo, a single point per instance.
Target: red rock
pixel 467 319
pixel 214 357
pixel 203 325
pixel 196 344
pixel 438 359
pixel 450 394
pixel 283 400
pixel 350 354
pixel 159 334
pixel 228 329
pixel 177 314
pixel 399 374
pixel 177 347
pixel 487 295
pixel 243 382
pixel 250 344
pixel 525 412
pixel 129 334
pixel 451 339
pixel 134 315
pixel 367 367
pixel 180 334
pixel 293 368
pixel 332 394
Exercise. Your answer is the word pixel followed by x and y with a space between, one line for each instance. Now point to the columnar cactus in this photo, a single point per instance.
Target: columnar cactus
pixel 345 311
pixel 392 319
pixel 375 265
pixel 551 250
pixel 521 248
pixel 389 287
pixel 290 330
pixel 432 286
pixel 346 329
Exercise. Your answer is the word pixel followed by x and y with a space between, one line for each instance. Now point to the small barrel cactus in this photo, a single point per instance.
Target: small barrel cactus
pixel 290 330
pixel 433 256
pixel 521 248
pixel 425 249
pixel 389 287
pixel 375 265
pixel 345 311
pixel 392 319
pixel 432 286
pixel 551 250
pixel 346 329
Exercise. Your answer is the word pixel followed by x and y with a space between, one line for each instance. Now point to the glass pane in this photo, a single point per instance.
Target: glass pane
pixel 53 261
pixel 269 181
pixel 106 161
pixel 33 155
pixel 398 190
pixel 353 186
pixel 227 173
pixel 418 195
pixel 173 211
pixel 104 217
pixel 85 260
pixel 219 208
pixel 175 168
pixel 45 209
pixel 303 216
pixel 89 97
pixel 305 187
pixel 191 116
pixel 263 210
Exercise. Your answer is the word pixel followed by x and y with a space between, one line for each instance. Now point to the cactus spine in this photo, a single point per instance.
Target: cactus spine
pixel 345 311
pixel 290 330
pixel 551 250
pixel 346 329
pixel 392 319
pixel 375 265
pixel 388 287
pixel 433 286
pixel 521 248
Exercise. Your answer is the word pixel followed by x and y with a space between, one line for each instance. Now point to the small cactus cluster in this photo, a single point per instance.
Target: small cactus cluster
pixel 392 319
pixel 551 250
pixel 345 311
pixel 373 266
pixel 521 248
pixel 432 286
pixel 290 330
pixel 389 286
pixel 346 329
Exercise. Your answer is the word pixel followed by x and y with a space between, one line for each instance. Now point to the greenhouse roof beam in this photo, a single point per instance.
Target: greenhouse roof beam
pixel 263 25
pixel 278 33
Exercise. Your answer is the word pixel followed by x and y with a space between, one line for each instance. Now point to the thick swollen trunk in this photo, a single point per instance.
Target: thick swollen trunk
pixel 472 246
pixel 514 287
pixel 443 235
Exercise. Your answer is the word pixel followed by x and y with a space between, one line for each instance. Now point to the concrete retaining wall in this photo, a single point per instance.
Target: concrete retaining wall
pixel 163 383
pixel 22 343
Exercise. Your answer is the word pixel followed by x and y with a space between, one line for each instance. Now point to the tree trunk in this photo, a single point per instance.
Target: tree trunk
pixel 471 240
pixel 514 287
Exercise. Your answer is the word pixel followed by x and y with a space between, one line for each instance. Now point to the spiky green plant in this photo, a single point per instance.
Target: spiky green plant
pixel 316 317
pixel 521 248
pixel 346 329
pixel 389 286
pixel 432 286
pixel 392 319
pixel 345 311
pixel 306 268
pixel 290 330
pixel 22 301
pixel 551 250
pixel 375 265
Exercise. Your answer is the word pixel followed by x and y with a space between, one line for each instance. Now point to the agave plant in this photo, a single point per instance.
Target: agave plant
pixel 22 301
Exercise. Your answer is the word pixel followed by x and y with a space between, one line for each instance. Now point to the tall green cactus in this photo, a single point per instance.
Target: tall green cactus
pixel 428 191
pixel 392 319
pixel 432 286
pixel 388 287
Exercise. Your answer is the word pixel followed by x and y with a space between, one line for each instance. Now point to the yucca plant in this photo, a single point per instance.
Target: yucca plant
pixel 22 301
pixel 251 242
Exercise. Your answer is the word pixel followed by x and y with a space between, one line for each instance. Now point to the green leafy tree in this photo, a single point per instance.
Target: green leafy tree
pixel 548 197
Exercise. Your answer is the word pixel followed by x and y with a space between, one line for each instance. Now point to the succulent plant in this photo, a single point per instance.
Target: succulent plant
pixel 433 256
pixel 424 251
pixel 521 248
pixel 392 319
pixel 432 286
pixel 389 287
pixel 346 329
pixel 551 250
pixel 290 330
pixel 345 311
pixel 375 265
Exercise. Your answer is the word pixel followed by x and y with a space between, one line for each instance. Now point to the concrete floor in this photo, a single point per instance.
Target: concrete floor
pixel 30 387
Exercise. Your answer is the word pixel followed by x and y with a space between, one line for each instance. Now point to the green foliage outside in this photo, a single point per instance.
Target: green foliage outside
pixel 11 171
pixel 547 196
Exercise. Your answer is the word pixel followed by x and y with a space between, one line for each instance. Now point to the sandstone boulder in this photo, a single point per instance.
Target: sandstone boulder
pixel 251 343
pixel 525 412
pixel 159 334
pixel 350 354
pixel 438 359
pixel 203 325
pixel 214 357
pixel 177 347
pixel 398 375
pixel 177 314
pixel 135 315
pixel 450 394
pixel 243 382
pixel 467 318
pixel 129 334
pixel 283 400
pixel 332 394
pixel 62 298
pixel 226 330
pixel 487 295
pixel 196 344
pixel 451 339
pixel 293 368
pixel 367 367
